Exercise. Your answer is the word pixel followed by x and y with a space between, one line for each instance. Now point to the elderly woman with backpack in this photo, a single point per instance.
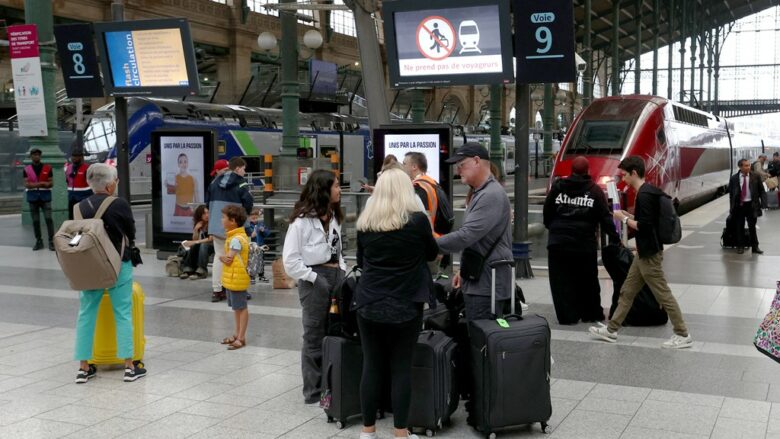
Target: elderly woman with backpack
pixel 119 224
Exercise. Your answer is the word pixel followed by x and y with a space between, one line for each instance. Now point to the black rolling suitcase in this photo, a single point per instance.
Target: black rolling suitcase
pixel 434 387
pixel 342 367
pixel 511 366
pixel 645 311
pixel 728 239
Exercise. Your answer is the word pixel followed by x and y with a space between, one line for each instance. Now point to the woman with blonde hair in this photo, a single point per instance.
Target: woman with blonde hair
pixel 394 241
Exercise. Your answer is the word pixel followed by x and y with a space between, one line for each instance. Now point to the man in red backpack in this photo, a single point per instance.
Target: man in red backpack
pixel 37 180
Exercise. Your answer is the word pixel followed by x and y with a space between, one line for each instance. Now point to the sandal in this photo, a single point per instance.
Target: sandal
pixel 229 340
pixel 237 344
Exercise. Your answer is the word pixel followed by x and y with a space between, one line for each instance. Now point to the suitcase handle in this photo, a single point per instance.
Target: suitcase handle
pixel 513 281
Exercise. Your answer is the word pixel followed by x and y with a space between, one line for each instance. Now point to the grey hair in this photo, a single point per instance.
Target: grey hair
pixel 100 175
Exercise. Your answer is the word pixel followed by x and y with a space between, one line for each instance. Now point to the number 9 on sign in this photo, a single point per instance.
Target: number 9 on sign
pixel 544 37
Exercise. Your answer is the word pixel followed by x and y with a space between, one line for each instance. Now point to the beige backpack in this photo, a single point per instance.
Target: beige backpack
pixel 86 254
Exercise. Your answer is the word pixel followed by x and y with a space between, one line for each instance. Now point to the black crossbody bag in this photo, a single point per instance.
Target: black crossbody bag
pixel 471 261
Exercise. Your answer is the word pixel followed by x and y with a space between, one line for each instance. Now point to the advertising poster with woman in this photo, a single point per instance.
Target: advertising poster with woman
pixel 181 162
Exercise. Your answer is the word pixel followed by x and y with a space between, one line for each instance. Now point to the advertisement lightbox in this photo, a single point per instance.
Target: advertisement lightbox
pixel 433 140
pixel 448 42
pixel 181 161
pixel 147 57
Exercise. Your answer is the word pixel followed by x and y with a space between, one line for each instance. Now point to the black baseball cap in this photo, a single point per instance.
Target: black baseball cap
pixel 35 151
pixel 470 149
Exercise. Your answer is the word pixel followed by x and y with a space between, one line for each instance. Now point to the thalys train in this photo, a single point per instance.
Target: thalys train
pixel 248 132
pixel 688 153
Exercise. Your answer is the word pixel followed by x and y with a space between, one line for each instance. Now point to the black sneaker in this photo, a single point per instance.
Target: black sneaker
pixel 248 296
pixel 84 375
pixel 136 372
pixel 38 245
pixel 51 245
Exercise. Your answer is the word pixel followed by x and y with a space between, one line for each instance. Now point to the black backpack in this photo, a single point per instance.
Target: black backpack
pixel 669 228
pixel 445 217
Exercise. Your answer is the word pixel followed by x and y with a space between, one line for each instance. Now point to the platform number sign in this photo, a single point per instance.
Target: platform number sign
pixel 79 61
pixel 544 41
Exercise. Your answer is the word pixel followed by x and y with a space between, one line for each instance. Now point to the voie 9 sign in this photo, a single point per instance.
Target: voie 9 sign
pixel 448 42
pixel 544 41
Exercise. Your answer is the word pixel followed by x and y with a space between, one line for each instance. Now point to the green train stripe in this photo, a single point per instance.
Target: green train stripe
pixel 245 143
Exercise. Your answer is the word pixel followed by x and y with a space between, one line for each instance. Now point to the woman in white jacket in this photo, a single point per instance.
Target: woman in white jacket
pixel 313 256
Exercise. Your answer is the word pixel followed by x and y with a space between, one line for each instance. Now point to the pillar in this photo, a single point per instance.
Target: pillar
pixel 547 118
pixel 616 48
pixel 587 80
pixel 638 64
pixel 684 23
pixel 418 105
pixel 693 24
pixel 670 54
pixel 717 70
pixel 496 94
pixel 290 87
pixel 656 29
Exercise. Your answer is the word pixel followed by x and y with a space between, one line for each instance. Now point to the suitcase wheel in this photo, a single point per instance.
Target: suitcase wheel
pixel 544 427
pixel 491 436
pixel 430 433
pixel 340 425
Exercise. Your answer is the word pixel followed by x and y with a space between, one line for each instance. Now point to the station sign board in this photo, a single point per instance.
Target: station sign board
pixel 80 69
pixel 28 81
pixel 544 41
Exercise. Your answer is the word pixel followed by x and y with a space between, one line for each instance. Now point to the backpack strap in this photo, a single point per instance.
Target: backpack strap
pixel 103 207
pixel 433 199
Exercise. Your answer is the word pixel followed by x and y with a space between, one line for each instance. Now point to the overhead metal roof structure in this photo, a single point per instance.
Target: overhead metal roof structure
pixel 710 13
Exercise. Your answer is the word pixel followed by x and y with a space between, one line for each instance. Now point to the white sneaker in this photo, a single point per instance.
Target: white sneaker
pixel 603 333
pixel 678 342
pixel 408 436
pixel 364 435
pixel 523 306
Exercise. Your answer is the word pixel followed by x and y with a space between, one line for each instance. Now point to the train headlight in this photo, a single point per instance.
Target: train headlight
pixel 605 180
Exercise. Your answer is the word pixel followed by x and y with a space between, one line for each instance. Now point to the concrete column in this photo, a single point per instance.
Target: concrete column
pixel 692 97
pixel 717 70
pixel 587 79
pixel 39 12
pixel 615 48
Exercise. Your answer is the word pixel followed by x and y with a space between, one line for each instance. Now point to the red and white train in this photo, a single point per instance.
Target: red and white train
pixel 688 153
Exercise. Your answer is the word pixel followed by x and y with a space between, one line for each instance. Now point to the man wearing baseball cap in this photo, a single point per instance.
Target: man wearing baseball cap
pixel 228 187
pixel 76 178
pixel 485 231
pixel 38 183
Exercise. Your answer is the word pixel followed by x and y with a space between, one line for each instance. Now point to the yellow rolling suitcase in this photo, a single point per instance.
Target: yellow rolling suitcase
pixel 104 348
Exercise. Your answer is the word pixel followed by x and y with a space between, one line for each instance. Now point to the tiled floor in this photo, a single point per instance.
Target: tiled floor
pixel 720 388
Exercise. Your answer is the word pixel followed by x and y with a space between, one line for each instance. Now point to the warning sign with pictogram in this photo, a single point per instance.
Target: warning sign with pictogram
pixel 436 38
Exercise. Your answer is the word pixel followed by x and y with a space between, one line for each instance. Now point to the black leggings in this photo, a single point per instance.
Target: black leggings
pixel 387 346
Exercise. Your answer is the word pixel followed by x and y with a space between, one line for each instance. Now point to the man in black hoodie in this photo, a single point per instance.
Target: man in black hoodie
pixel 573 211
pixel 648 267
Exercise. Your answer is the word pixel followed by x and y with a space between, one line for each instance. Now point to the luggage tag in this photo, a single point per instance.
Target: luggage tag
pixel 502 323
pixel 326 399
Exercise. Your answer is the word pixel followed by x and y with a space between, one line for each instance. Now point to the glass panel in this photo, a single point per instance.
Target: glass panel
pixel 601 137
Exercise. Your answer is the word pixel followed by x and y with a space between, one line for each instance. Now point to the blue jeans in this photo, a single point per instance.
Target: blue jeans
pixel 122 302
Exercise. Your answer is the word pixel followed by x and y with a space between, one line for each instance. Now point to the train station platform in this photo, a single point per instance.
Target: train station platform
pixel 720 388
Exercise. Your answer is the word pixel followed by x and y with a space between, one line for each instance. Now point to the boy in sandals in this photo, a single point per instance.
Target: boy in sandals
pixel 235 278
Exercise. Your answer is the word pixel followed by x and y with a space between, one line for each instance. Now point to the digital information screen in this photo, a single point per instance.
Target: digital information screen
pixel 460 42
pixel 148 57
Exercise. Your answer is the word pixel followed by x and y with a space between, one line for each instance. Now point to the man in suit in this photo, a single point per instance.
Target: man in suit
pixel 746 193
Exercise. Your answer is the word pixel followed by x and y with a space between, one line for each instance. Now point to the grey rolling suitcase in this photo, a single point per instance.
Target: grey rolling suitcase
pixel 435 395
pixel 511 367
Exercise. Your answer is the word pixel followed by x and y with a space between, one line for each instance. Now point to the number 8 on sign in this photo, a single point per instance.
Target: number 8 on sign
pixel 78 64
pixel 544 36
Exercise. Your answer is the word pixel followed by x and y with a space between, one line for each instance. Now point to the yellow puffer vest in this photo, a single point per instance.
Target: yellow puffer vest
pixel 234 276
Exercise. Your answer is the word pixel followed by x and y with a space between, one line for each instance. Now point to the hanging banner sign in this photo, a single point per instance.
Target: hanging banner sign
pixel 544 41
pixel 28 81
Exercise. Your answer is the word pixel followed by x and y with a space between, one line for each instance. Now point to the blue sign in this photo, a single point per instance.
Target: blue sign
pixel 124 64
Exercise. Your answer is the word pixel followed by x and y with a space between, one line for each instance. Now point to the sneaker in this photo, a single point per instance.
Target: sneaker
pixel 185 274
pixel 252 281
pixel 408 436
pixel 678 342
pixel 364 435
pixel 51 245
pixel 603 333
pixel 136 372
pixel 264 280
pixel 248 296
pixel 523 306
pixel 84 375
pixel 38 245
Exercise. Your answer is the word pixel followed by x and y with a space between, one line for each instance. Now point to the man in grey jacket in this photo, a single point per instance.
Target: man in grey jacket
pixel 485 225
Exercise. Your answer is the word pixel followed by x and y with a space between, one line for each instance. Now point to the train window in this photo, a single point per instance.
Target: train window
pixel 601 137
pixel 661 136
pixel 100 135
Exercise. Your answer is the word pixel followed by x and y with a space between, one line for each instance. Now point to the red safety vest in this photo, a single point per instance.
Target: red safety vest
pixel 38 194
pixel 77 184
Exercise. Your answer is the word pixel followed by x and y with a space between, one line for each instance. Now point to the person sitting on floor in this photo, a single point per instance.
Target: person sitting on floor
pixel 196 260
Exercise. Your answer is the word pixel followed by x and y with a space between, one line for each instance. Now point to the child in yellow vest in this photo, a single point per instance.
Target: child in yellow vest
pixel 235 278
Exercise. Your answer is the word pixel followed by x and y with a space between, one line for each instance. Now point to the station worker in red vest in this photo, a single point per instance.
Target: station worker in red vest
pixel 38 183
pixel 76 177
